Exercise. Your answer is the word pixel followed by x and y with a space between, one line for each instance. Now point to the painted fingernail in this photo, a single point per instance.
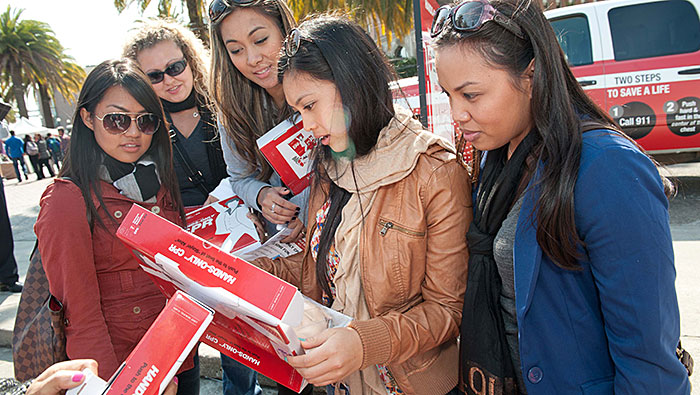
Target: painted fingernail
pixel 287 223
pixel 78 377
pixel 175 379
pixel 298 209
pixel 285 358
pixel 294 217
pixel 302 339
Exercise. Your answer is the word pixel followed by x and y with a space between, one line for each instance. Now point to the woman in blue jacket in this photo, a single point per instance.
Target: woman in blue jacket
pixel 571 273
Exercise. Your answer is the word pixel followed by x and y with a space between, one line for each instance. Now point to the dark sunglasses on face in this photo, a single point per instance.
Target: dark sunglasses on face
pixel 172 70
pixel 217 8
pixel 470 16
pixel 119 122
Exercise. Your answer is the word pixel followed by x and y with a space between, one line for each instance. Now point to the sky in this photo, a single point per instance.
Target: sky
pixel 90 30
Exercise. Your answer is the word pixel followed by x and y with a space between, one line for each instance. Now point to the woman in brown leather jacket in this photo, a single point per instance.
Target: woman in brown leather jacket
pixel 388 214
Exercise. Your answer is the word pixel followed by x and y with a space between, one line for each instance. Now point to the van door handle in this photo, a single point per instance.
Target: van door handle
pixel 690 71
pixel 587 82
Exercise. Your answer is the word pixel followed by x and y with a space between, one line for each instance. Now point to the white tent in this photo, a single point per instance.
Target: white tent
pixel 22 126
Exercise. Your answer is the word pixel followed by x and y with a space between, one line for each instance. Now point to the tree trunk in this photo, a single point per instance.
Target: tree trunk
pixel 46 106
pixel 18 88
pixel 194 11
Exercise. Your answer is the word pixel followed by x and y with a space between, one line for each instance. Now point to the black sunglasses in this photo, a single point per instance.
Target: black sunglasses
pixel 217 8
pixel 470 16
pixel 172 70
pixel 119 122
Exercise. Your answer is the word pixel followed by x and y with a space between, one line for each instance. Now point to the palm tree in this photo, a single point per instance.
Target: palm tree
pixel 390 18
pixel 195 11
pixel 66 82
pixel 32 56
pixel 26 47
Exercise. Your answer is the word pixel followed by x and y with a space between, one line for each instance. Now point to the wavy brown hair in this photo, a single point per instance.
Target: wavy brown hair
pixel 155 31
pixel 246 110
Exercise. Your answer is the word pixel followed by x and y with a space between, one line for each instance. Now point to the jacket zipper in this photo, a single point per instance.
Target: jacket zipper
pixel 386 225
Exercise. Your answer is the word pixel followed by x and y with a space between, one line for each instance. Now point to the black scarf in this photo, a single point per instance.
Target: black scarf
pixel 212 140
pixel 171 107
pixel 484 353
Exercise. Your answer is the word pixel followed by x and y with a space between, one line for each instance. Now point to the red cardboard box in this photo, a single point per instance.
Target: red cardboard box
pixel 254 310
pixel 153 363
pixel 225 224
pixel 288 148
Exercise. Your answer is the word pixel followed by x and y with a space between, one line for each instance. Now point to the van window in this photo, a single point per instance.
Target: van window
pixel 575 38
pixel 654 29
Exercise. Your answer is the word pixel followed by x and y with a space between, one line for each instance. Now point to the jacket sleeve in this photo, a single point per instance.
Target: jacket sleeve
pixel 397 336
pixel 65 244
pixel 288 269
pixel 247 186
pixel 622 217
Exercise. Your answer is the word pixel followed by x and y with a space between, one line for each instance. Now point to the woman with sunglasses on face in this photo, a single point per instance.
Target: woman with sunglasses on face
pixel 120 155
pixel 388 210
pixel 570 248
pixel 246 37
pixel 176 63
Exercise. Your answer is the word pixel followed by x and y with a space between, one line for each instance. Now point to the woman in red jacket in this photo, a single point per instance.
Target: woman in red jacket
pixel 120 155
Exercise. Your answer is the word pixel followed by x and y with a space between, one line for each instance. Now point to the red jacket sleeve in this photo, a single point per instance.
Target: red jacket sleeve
pixel 66 247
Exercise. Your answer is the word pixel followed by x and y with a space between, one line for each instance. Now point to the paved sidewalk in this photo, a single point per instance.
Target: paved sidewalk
pixel 23 203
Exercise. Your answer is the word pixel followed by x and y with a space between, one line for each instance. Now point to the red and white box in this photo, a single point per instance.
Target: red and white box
pixel 254 310
pixel 288 148
pixel 159 354
pixel 225 224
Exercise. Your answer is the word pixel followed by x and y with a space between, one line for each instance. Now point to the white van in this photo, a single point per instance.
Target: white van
pixel 640 61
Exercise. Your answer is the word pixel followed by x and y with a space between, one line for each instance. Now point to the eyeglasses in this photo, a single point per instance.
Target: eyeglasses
pixel 293 42
pixel 174 69
pixel 217 8
pixel 470 16
pixel 119 122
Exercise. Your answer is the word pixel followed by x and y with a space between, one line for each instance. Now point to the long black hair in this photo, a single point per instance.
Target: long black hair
pixel 85 153
pixel 337 50
pixel 558 107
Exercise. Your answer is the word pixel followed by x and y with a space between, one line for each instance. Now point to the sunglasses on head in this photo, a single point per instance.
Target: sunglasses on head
pixel 470 16
pixel 293 42
pixel 119 122
pixel 217 8
pixel 172 70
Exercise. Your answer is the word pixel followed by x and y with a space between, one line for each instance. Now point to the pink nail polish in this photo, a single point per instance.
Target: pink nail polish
pixel 78 377
pixel 175 379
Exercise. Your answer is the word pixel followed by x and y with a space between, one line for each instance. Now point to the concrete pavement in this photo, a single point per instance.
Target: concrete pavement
pixel 23 206
pixel 23 203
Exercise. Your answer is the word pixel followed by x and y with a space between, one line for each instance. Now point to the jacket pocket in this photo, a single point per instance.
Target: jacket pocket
pixel 387 226
pixel 603 386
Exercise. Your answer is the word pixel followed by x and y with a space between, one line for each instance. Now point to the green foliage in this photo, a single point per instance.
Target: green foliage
pixel 405 67
pixel 391 18
pixel 32 56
